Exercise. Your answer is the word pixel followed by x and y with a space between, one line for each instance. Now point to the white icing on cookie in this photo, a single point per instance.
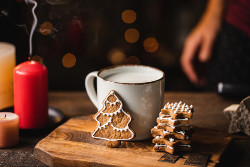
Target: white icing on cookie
pixel 110 119
pixel 161 145
pixel 171 139
pixel 112 103
pixel 182 108
pixel 165 131
pixel 168 117
pixel 158 137
pixel 181 132
pixel 185 145
pixel 179 107
pixel 174 106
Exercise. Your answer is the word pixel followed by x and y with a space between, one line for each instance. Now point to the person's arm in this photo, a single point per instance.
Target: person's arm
pixel 202 37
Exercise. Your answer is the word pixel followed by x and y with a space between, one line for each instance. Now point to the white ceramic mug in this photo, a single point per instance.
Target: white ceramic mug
pixel 141 89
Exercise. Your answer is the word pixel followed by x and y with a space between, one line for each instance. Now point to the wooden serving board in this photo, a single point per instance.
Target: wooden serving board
pixel 71 144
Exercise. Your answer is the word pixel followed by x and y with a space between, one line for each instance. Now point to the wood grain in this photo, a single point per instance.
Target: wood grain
pixel 71 144
pixel 208 106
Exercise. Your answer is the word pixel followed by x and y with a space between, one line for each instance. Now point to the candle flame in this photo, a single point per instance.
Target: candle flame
pixel 33 25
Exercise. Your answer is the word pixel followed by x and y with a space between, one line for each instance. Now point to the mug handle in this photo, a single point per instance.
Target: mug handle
pixel 89 85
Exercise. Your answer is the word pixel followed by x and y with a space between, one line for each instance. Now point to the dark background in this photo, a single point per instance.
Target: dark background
pixel 93 30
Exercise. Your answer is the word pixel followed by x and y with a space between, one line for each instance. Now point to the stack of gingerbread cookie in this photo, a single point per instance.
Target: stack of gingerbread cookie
pixel 173 133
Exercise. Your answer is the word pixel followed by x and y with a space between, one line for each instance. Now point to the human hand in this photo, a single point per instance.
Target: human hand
pixel 200 43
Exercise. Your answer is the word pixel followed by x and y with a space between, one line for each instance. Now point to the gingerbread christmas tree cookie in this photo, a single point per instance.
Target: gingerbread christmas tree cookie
pixel 113 121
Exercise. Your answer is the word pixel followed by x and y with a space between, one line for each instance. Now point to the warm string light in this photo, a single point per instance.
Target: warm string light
pixel 128 16
pixel 69 60
pixel 150 44
pixel 116 56
pixel 38 59
pixel 132 35
pixel 46 28
pixel 132 60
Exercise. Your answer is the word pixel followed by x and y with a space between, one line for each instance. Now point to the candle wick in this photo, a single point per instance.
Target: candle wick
pixel 5 116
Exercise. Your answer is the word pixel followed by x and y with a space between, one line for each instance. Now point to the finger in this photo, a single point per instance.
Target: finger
pixel 187 57
pixel 206 49
pixel 190 47
pixel 190 72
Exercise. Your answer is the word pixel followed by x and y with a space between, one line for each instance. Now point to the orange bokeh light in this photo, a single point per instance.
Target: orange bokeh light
pixel 116 57
pixel 150 45
pixel 69 60
pixel 132 60
pixel 38 59
pixel 128 16
pixel 46 28
pixel 132 35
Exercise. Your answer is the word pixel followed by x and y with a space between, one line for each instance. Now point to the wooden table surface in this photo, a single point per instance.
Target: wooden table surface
pixel 208 114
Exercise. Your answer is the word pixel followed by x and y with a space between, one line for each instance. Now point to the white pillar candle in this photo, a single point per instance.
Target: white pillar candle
pixel 7 64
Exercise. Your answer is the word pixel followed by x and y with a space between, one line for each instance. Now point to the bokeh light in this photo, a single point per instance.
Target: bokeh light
pixel 69 60
pixel 132 60
pixel 132 35
pixel 38 59
pixel 46 28
pixel 150 44
pixel 116 57
pixel 128 16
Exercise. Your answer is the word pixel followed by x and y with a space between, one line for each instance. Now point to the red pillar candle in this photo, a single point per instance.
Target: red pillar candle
pixel 31 94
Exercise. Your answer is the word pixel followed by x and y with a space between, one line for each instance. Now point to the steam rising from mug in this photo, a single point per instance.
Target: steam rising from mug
pixel 34 23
